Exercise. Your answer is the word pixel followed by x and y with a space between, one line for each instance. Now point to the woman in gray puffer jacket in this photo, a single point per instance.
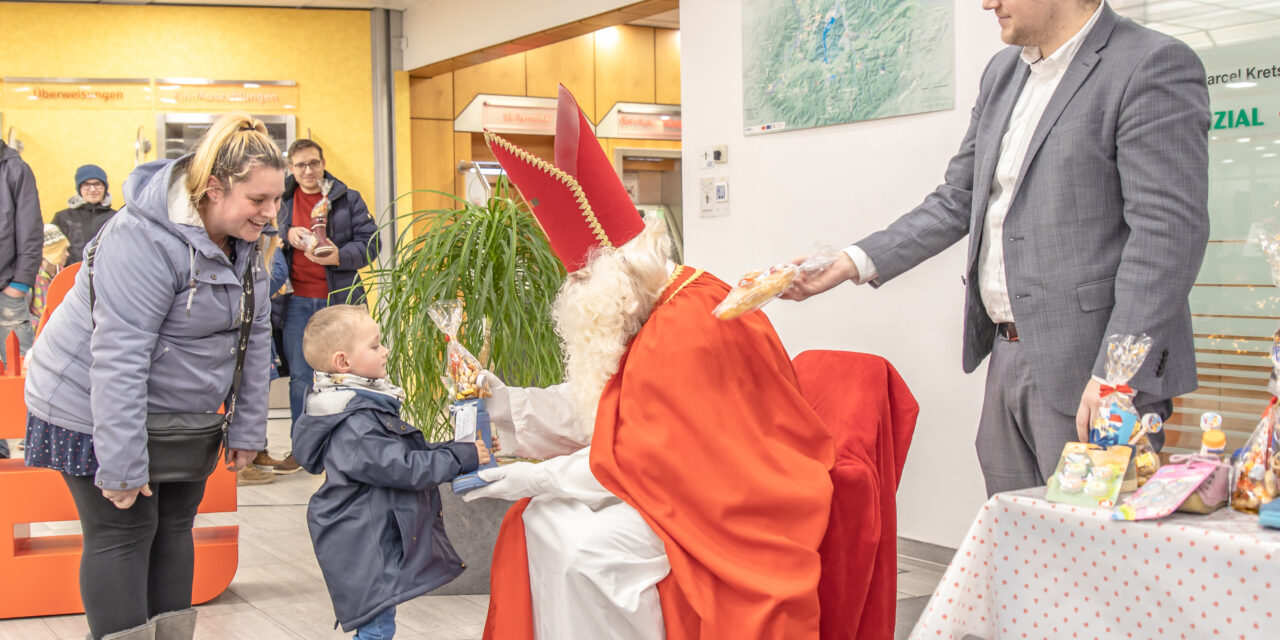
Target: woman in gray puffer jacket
pixel 161 336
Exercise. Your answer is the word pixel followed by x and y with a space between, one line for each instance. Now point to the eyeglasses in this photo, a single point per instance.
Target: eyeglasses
pixel 314 165
pixel 93 185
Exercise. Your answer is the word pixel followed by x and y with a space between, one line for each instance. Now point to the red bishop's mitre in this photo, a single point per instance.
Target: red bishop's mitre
pixel 579 201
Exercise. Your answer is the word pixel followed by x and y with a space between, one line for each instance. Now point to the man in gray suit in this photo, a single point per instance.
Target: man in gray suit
pixel 1082 184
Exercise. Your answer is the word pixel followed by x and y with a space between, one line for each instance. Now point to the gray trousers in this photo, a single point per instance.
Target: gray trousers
pixel 1020 436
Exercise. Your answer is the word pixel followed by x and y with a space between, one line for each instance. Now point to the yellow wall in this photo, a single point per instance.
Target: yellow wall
pixel 619 64
pixel 330 60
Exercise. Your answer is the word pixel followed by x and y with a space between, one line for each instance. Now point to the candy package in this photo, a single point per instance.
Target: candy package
pixel 758 288
pixel 1254 467
pixel 1088 475
pixel 463 373
pixel 1168 488
pixel 1118 417
pixel 1145 459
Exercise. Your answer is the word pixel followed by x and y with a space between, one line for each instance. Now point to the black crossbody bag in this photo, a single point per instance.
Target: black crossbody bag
pixel 185 447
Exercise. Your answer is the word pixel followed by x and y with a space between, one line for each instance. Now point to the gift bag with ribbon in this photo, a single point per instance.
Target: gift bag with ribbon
pixel 1117 418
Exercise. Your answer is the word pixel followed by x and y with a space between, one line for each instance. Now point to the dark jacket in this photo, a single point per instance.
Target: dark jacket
pixel 21 225
pixel 351 228
pixel 376 522
pixel 80 222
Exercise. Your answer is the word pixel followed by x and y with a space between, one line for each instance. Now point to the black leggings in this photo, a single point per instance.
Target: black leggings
pixel 137 562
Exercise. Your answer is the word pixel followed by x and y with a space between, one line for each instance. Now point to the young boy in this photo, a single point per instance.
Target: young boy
pixel 374 523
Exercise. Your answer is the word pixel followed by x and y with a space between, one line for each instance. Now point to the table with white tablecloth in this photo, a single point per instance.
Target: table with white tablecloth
pixel 1029 568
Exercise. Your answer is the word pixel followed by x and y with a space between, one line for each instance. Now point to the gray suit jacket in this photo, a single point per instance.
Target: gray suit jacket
pixel 1109 218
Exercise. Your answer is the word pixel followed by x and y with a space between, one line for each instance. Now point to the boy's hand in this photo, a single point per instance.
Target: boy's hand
pixel 483 452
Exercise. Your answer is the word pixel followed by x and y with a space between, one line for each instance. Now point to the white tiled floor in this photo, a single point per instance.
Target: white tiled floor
pixel 278 592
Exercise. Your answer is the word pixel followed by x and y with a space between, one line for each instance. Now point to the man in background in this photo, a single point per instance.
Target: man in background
pixel 328 235
pixel 21 250
pixel 86 211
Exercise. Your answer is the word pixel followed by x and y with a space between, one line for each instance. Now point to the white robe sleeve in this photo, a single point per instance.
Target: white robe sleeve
pixel 533 422
pixel 569 477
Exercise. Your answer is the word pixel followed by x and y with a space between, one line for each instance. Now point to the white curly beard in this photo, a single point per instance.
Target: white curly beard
pixel 601 307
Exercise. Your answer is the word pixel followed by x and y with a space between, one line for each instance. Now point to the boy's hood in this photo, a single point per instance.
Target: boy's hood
pixel 323 414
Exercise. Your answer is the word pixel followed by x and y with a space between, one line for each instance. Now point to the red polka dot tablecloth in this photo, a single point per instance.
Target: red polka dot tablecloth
pixel 1034 569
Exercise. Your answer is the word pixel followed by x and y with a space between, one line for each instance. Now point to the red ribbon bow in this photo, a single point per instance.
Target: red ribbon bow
pixel 1120 388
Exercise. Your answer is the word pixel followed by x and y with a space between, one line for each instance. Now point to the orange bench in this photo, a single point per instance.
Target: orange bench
pixel 42 574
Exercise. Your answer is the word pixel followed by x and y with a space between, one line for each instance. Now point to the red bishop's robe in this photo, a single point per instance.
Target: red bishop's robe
pixel 704 432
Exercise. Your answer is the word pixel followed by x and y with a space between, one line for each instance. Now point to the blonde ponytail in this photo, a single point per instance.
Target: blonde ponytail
pixel 229 150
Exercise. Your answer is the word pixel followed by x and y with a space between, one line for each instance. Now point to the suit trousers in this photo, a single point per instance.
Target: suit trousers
pixel 1020 436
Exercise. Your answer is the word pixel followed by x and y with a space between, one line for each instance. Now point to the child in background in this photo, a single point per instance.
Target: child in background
pixel 374 522
pixel 55 256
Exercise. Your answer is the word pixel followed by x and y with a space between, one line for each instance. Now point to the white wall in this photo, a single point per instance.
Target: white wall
pixel 837 184
pixel 441 29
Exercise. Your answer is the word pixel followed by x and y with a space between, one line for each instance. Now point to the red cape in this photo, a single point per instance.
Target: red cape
pixel 704 431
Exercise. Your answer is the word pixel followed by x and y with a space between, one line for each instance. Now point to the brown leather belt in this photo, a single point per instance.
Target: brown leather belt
pixel 1008 330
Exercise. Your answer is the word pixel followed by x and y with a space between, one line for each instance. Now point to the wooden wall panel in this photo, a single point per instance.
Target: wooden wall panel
pixel 461 151
pixel 505 76
pixel 666 67
pixel 432 166
pixel 571 63
pixel 624 67
pixel 431 97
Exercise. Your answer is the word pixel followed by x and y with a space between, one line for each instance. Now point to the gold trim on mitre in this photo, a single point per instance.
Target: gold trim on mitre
pixel 567 180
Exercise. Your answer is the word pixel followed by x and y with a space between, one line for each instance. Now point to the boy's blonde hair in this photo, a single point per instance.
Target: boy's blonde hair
pixel 329 331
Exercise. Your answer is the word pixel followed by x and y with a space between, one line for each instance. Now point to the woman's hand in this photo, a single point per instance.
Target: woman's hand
pixel 125 499
pixel 240 458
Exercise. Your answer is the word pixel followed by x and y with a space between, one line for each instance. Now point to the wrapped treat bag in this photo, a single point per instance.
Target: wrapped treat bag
pixel 1254 467
pixel 1118 418
pixel 1145 459
pixel 464 380
pixel 758 288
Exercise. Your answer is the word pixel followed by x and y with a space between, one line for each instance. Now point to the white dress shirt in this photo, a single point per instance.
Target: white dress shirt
pixel 1046 73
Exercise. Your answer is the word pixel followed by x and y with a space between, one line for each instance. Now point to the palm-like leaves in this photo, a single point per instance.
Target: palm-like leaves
pixel 497 259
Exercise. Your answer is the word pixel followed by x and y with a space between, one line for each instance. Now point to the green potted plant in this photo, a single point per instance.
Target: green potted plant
pixel 496 259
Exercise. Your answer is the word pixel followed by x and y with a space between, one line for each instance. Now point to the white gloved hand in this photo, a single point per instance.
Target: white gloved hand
pixel 499 401
pixel 510 482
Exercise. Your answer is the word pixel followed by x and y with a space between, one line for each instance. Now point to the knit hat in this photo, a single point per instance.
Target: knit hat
pixel 89 172
pixel 55 243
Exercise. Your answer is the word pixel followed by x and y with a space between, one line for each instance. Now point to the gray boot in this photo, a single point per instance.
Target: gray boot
pixel 145 631
pixel 175 625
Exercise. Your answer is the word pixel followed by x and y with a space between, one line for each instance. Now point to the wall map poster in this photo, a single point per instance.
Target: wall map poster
pixel 810 63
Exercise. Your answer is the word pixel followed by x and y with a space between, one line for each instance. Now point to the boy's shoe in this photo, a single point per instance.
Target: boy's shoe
pixel 251 475
pixel 264 461
pixel 287 466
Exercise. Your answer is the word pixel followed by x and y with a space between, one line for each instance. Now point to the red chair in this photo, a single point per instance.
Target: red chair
pixel 41 575
pixel 872 416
